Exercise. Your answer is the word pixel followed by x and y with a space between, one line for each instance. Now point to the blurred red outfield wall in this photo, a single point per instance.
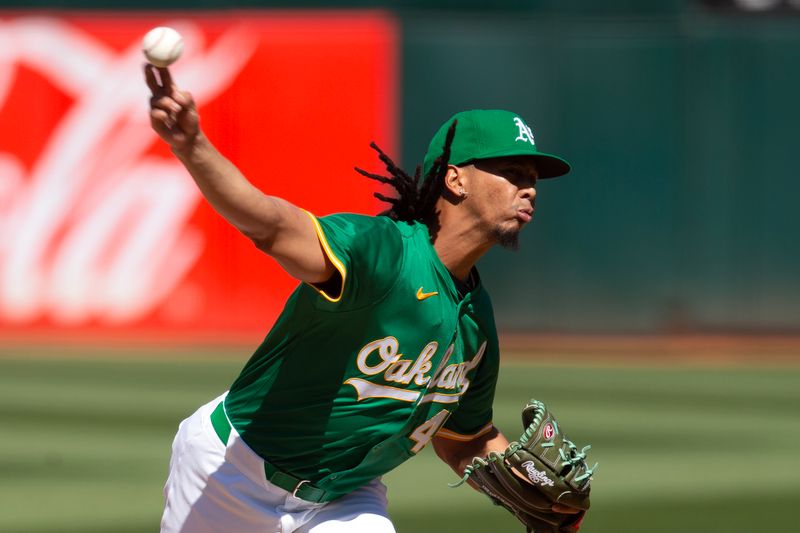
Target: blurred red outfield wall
pixel 103 234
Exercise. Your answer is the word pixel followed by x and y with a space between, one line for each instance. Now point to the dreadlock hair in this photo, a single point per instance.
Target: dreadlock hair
pixel 415 200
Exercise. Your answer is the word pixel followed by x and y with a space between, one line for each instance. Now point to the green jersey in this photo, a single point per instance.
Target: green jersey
pixel 346 386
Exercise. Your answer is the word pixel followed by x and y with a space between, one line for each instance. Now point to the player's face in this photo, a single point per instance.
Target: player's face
pixel 503 194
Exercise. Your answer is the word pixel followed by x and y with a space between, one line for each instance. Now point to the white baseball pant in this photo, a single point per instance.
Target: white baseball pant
pixel 213 488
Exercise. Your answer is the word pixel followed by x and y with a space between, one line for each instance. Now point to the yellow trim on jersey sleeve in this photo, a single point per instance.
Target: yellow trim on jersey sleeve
pixel 452 435
pixel 333 259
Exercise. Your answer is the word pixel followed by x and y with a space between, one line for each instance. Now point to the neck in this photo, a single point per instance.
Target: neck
pixel 459 244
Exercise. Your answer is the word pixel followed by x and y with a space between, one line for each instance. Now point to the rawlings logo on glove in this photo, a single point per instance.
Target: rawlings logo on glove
pixel 542 469
pixel 536 476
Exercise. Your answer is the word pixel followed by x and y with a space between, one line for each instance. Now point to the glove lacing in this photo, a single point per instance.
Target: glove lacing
pixel 571 458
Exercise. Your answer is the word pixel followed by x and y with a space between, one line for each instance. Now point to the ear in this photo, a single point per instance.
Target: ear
pixel 455 180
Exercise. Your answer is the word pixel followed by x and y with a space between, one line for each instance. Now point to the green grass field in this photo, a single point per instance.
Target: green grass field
pixel 84 444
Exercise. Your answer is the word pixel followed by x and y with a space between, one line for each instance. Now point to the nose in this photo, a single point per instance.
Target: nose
pixel 528 191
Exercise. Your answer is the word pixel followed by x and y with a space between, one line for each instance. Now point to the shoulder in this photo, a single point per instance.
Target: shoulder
pixel 368 230
pixel 357 225
pixel 369 252
pixel 362 242
pixel 355 220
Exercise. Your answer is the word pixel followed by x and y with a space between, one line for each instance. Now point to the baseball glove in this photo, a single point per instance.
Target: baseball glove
pixel 542 469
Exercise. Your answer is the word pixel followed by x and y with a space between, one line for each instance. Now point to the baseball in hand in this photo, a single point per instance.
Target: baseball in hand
pixel 162 46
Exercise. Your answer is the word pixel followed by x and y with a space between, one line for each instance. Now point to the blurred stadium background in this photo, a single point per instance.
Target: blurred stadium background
pixel 654 304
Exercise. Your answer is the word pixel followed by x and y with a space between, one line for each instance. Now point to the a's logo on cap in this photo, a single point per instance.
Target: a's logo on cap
pixel 525 133
pixel 548 432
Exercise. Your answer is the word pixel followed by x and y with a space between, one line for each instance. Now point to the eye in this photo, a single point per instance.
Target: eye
pixel 519 176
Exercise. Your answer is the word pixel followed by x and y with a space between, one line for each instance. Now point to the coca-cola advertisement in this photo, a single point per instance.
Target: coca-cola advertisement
pixel 104 235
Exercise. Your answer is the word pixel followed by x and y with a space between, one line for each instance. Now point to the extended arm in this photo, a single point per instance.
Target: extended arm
pixel 277 227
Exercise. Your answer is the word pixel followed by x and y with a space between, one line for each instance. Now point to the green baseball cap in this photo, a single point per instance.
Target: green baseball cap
pixel 487 133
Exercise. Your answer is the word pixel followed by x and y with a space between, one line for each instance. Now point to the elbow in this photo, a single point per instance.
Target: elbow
pixel 261 240
pixel 264 245
pixel 261 225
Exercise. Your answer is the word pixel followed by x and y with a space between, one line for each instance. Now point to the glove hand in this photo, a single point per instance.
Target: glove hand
pixel 543 479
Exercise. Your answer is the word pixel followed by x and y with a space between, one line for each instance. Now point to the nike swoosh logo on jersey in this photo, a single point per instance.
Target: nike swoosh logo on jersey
pixel 424 295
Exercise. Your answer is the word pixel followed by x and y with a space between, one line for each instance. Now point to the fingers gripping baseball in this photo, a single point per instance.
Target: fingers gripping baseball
pixel 173 113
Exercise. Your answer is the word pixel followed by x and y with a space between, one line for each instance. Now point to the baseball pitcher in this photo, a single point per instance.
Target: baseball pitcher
pixel 387 344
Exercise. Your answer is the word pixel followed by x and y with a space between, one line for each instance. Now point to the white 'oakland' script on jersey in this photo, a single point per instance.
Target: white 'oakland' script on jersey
pixel 92 185
pixel 401 371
